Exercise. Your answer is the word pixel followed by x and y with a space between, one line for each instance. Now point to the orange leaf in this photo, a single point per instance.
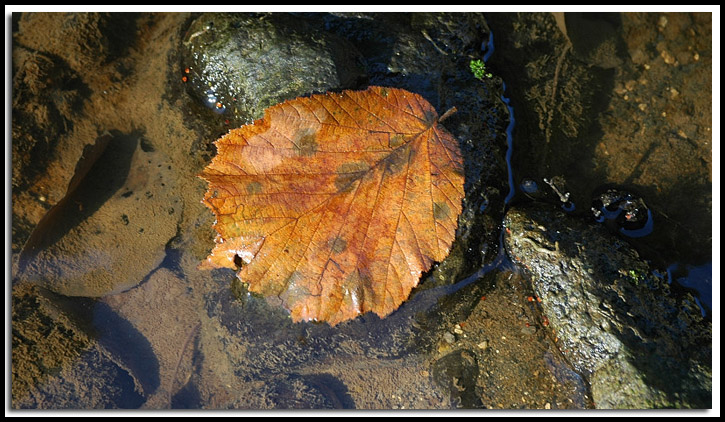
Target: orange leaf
pixel 336 203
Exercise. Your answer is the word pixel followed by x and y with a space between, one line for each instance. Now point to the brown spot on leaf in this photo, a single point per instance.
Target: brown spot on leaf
pixel 337 244
pixel 396 140
pixel 348 173
pixel 430 116
pixel 254 188
pixel 305 142
pixel 441 211
pixel 397 160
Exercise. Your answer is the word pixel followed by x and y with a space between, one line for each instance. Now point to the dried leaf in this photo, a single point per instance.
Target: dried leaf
pixel 336 203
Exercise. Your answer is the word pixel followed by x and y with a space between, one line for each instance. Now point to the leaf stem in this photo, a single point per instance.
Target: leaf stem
pixel 447 114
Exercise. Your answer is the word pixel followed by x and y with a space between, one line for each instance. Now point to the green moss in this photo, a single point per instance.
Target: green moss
pixel 478 68
pixel 635 276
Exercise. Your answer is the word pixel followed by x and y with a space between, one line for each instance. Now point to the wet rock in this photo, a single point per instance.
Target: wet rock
pixel 240 63
pixel 519 366
pixel 112 227
pixel 614 318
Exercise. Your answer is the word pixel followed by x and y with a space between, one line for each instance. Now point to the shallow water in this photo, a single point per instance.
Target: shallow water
pixel 185 338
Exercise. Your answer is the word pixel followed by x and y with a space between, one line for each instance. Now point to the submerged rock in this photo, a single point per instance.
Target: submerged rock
pixel 618 324
pixel 58 364
pixel 111 229
pixel 457 373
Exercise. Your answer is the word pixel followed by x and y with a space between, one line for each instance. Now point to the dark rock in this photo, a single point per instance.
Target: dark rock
pixel 242 63
pixel 626 211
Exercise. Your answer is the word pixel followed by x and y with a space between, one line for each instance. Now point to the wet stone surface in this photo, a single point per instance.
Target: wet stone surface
pixel 613 317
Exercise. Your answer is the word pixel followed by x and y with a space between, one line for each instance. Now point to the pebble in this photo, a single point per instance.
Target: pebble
pixel 668 58
pixel 528 330
pixel 662 22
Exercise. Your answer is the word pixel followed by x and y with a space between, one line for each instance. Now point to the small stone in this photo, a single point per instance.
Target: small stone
pixel 547 405
pixel 483 345
pixel 449 338
pixel 662 22
pixel 668 58
pixel 528 330
pixel 642 106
